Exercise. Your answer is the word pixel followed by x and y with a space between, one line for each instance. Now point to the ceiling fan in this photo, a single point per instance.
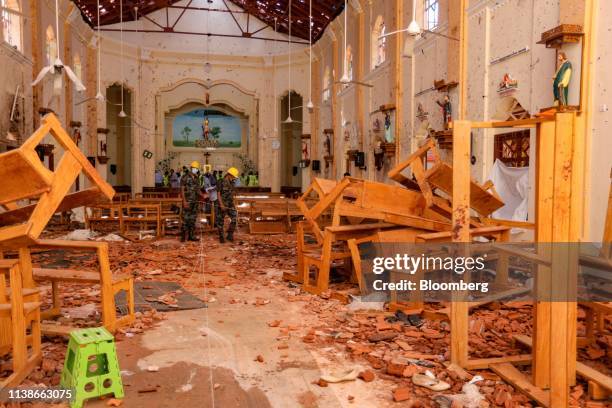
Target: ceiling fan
pixel 345 80
pixel 310 105
pixel 414 30
pixel 57 67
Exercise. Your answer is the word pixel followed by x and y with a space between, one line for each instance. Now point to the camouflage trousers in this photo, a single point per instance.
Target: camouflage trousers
pixel 189 217
pixel 220 215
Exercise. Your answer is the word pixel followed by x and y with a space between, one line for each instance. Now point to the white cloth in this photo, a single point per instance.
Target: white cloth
pixel 512 185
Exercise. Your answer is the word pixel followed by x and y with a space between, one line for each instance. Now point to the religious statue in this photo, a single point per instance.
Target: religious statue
pixel 447 111
pixel 206 128
pixel 76 136
pixel 379 153
pixel 562 79
pixel 389 136
pixel 327 145
pixel 305 153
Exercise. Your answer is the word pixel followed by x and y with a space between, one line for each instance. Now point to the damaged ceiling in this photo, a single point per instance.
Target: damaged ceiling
pixel 324 11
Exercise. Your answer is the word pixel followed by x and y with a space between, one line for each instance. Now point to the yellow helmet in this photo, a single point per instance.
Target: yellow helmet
pixel 233 171
pixel 195 164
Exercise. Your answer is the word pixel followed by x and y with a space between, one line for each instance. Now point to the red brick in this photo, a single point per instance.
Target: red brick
pixel 401 394
pixel 367 376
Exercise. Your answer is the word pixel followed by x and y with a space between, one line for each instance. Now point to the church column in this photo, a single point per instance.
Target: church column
pixel 335 88
pixel 34 23
pixel 399 86
pixel 361 69
pixel 67 59
pixel 92 105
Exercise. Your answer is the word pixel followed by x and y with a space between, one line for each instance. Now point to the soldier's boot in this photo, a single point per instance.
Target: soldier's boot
pixel 230 236
pixel 221 239
pixel 192 236
pixel 183 234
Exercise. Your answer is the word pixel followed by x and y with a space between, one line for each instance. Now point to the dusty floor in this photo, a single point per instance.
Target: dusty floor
pixel 262 342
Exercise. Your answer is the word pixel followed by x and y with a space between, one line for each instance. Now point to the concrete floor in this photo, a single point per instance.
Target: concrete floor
pixel 207 358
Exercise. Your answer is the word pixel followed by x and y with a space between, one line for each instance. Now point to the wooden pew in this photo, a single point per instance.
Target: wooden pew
pixel 272 216
pixel 18 315
pixel 26 178
pixel 110 284
pixel 171 209
pixel 109 214
pixel 144 215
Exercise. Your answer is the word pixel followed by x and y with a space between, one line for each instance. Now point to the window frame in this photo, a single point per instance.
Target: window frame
pixel 431 8
pixel 377 44
pixel 8 13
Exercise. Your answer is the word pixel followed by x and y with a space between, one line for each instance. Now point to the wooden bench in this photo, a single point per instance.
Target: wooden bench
pixel 144 215
pixel 171 209
pixel 334 248
pixel 122 198
pixel 26 178
pixel 272 216
pixel 110 284
pixel 18 316
pixel 440 176
pixel 109 214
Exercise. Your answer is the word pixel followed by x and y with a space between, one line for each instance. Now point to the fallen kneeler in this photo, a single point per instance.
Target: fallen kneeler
pixel 91 367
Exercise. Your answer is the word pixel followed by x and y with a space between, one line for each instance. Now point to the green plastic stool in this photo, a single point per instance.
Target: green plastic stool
pixel 91 368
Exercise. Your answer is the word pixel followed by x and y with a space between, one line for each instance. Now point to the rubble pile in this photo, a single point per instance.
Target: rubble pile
pixel 407 355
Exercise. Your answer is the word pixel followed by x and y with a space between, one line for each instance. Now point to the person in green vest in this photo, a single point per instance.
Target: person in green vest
pixel 253 181
pixel 166 179
pixel 561 80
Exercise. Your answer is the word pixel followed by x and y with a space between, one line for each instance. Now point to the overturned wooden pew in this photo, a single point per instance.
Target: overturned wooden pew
pixel 26 179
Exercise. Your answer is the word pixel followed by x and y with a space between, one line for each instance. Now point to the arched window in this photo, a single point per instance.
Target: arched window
pixel 379 45
pixel 51 45
pixel 10 19
pixel 326 85
pixel 348 63
pixel 76 66
pixel 432 13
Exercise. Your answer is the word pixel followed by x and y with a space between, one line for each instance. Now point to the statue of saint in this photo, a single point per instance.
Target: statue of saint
pixel 447 111
pixel 389 136
pixel 327 145
pixel 206 128
pixel 562 79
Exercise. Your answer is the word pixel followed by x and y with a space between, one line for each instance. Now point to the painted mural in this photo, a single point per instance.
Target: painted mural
pixel 197 124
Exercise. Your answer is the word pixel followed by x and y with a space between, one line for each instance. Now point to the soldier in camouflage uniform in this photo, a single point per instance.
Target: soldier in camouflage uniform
pixel 191 195
pixel 226 204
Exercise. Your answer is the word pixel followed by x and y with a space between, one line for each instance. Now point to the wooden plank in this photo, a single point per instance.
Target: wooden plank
pixel 49 329
pixel 485 363
pixel 461 233
pixel 66 275
pixel 513 376
pixel 90 196
pixel 544 212
pixel 591 374
pixel 511 123
pixel 582 369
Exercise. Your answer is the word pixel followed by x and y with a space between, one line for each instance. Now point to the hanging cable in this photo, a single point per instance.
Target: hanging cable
pixel 310 105
pixel 289 119
pixel 122 114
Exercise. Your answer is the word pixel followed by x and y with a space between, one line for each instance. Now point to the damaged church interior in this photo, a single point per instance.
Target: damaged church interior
pixel 305 203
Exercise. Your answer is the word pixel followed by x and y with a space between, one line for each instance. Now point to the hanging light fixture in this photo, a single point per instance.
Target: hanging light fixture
pixel 289 119
pixel 310 105
pixel 207 64
pixel 122 114
pixel 99 95
pixel 274 76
